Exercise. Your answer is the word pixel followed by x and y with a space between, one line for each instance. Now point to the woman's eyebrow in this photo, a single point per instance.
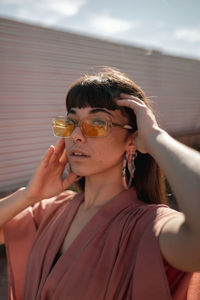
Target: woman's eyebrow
pixel 96 110
pixel 92 111
pixel 71 111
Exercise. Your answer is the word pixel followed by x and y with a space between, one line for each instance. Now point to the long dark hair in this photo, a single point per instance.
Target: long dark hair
pixel 101 90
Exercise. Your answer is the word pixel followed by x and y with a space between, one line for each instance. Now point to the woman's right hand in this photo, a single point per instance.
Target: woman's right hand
pixel 47 180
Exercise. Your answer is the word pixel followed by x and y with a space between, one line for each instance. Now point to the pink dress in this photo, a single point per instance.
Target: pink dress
pixel 115 257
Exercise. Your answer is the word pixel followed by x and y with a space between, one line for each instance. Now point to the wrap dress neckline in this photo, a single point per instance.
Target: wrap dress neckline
pixel 49 240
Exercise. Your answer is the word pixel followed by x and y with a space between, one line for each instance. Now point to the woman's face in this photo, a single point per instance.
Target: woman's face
pixel 102 153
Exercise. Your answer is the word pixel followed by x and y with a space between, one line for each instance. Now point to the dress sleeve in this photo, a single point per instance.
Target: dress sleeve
pixel 151 268
pixel 182 285
pixel 19 234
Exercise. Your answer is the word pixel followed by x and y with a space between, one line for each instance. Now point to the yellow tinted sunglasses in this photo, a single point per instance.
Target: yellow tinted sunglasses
pixel 90 127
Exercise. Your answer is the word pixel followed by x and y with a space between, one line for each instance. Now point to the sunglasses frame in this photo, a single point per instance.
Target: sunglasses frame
pixel 108 120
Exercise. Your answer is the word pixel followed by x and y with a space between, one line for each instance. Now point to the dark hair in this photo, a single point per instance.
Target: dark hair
pixel 101 90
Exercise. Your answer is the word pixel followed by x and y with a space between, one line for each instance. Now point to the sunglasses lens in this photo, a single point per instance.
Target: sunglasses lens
pixel 63 127
pixel 94 127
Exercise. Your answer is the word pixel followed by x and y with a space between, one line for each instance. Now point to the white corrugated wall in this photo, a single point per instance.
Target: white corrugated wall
pixel 38 64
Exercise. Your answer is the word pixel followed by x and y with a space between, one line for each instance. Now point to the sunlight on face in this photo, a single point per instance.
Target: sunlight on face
pixel 94 155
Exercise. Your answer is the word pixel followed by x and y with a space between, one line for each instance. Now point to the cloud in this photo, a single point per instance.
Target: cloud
pixel 106 25
pixel 44 11
pixel 41 17
pixel 65 7
pixel 191 35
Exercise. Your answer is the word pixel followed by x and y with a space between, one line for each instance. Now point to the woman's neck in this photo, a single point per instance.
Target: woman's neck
pixel 99 189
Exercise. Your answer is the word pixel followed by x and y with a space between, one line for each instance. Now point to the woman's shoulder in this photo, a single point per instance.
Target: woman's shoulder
pixel 150 217
pixel 48 207
pixel 62 198
pixel 158 210
pixel 157 215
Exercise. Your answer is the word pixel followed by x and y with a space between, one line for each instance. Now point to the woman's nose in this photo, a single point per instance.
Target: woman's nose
pixel 77 135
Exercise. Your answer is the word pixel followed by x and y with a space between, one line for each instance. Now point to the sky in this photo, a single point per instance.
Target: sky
pixel 169 26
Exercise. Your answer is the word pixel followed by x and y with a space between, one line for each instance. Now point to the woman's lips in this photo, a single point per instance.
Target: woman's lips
pixel 77 151
pixel 78 157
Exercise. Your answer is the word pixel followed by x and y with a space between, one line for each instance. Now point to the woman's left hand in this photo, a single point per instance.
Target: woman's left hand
pixel 146 121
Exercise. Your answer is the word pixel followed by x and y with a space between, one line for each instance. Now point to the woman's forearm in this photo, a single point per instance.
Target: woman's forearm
pixel 181 166
pixel 11 205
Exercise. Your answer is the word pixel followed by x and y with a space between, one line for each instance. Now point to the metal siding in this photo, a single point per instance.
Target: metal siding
pixel 38 64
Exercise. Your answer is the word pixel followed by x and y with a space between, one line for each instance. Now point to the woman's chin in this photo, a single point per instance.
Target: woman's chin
pixel 79 172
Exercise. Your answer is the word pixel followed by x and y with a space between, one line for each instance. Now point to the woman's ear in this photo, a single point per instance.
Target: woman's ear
pixel 131 142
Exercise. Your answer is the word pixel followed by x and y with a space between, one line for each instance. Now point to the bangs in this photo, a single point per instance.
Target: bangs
pixel 91 94
pixel 101 91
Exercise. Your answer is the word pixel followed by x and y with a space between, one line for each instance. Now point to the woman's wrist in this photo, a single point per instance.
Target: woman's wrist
pixel 29 200
pixel 13 204
pixel 154 139
pixel 22 194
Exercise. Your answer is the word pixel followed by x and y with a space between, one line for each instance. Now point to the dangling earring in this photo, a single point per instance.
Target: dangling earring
pixel 129 164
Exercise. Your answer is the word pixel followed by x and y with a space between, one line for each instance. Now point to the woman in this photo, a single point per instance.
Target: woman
pixel 116 238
